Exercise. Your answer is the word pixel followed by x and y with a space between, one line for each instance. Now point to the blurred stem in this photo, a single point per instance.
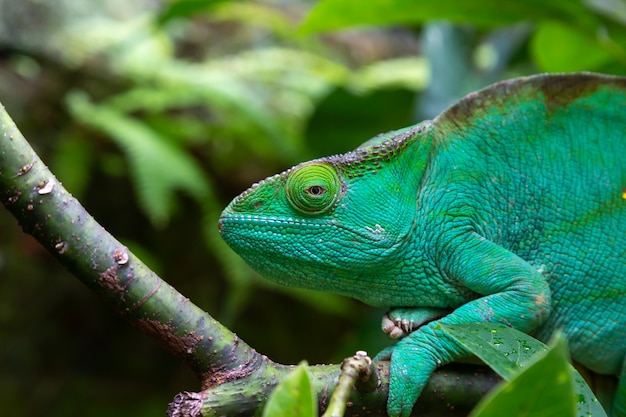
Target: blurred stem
pixel 236 380
pixel 358 368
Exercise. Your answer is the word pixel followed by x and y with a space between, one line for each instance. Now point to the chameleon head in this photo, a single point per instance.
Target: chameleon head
pixel 335 224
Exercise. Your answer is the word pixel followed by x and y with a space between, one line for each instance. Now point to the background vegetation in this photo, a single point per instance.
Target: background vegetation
pixel 156 113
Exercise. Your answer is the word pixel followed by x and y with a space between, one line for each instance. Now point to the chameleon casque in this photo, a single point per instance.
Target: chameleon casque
pixel 509 207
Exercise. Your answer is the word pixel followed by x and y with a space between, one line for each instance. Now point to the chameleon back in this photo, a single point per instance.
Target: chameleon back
pixel 539 165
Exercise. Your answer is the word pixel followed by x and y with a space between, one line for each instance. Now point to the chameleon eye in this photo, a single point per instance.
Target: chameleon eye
pixel 313 188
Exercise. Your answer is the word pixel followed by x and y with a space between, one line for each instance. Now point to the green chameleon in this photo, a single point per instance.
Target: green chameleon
pixel 509 207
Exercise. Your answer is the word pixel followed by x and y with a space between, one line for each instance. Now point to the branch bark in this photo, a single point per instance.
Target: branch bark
pixel 235 379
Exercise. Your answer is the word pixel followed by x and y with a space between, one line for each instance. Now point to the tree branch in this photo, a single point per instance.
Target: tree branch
pixel 57 220
pixel 235 379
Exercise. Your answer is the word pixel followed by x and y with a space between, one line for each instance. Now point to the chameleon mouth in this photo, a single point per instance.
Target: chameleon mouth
pixel 251 221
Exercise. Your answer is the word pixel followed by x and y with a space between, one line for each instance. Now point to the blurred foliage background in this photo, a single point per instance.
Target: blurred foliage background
pixel 156 113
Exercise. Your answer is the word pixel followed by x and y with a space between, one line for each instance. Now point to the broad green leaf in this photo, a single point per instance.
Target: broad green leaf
pixel 544 389
pixel 558 47
pixel 503 348
pixel 335 14
pixel 508 352
pixel 293 397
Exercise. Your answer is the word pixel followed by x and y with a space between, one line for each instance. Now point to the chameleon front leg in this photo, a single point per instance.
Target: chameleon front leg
pixel 510 291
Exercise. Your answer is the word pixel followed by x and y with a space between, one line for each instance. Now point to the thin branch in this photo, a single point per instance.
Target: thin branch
pixel 358 368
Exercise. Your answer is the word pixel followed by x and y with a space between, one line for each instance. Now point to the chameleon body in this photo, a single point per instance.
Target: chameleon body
pixel 509 207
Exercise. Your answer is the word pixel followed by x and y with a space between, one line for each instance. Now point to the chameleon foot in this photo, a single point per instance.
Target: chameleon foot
pixel 399 322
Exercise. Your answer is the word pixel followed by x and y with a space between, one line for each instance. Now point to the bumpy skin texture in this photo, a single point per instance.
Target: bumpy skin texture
pixel 509 207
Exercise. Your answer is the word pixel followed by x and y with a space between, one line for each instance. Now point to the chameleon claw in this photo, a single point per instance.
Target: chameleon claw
pixel 400 322
pixel 396 328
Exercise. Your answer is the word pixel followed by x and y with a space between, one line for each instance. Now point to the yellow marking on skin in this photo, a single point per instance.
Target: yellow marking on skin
pixel 541 300
pixel 624 193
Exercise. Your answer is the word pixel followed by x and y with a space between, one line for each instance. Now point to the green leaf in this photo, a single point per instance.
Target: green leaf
pixel 544 389
pixel 222 87
pixel 262 15
pixel 159 166
pixel 293 397
pixel 184 8
pixel 411 73
pixel 503 348
pixel 557 47
pixel 509 352
pixel 335 14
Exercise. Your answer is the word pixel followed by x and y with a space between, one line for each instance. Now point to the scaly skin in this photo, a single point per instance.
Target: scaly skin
pixel 509 207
